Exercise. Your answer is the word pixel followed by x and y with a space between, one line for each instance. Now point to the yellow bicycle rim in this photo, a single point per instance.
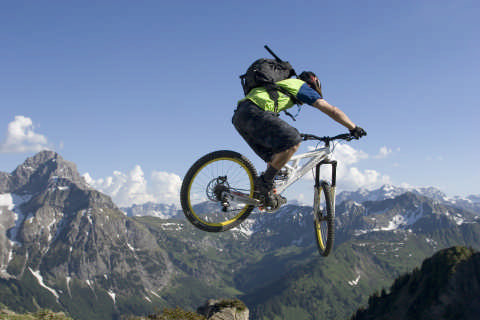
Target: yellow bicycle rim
pixel 224 223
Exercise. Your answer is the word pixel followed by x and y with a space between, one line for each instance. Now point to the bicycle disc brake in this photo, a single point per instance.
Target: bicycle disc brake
pixel 217 190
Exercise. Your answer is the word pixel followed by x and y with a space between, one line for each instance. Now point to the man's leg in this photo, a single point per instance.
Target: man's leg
pixel 278 161
pixel 266 179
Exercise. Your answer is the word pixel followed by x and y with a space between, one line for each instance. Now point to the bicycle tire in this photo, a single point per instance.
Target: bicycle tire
pixel 324 222
pixel 207 213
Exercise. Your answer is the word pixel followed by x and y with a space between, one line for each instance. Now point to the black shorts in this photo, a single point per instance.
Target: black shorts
pixel 264 131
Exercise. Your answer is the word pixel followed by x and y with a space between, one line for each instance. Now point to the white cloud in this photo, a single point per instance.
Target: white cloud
pixel 347 155
pixel 22 138
pixel 383 153
pixel 133 187
pixel 406 185
pixel 166 185
pixel 349 177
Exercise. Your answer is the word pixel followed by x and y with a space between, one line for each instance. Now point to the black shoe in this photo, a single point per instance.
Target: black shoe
pixel 268 195
pixel 263 187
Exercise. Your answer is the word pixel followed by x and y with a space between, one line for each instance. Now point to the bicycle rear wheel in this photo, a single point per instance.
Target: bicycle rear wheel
pixel 324 214
pixel 207 184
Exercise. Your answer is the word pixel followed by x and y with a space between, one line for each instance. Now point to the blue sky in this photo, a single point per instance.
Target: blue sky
pixel 138 90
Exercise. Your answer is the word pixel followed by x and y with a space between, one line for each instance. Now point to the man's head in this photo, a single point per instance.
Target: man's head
pixel 311 79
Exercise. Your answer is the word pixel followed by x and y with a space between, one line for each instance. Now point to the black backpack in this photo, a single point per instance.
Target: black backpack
pixel 264 73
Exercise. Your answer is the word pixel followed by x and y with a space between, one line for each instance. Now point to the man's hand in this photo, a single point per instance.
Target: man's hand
pixel 358 132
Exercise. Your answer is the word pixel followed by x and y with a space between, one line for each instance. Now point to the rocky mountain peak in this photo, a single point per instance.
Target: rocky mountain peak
pixel 44 168
pixel 53 226
pixel 42 157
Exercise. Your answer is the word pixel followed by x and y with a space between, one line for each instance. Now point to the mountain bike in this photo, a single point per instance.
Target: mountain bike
pixel 218 191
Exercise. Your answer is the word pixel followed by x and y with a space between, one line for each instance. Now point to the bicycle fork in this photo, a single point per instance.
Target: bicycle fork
pixel 318 185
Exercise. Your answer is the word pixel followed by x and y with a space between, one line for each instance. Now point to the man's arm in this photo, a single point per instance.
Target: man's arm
pixel 334 113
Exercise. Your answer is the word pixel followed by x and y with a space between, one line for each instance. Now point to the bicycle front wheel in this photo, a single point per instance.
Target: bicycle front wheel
pixel 206 186
pixel 324 213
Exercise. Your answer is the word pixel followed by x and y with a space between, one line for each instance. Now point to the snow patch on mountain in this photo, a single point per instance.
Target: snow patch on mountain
pixel 354 283
pixel 6 200
pixel 90 284
pixel 39 278
pixel 172 226
pixel 112 295
pixel 402 221
pixel 69 279
pixel 247 228
pixel 12 202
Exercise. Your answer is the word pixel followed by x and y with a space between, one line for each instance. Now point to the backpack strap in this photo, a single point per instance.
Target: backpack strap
pixel 294 117
pixel 285 91
pixel 295 101
pixel 273 88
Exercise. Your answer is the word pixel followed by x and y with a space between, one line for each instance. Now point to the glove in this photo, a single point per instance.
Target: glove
pixel 358 132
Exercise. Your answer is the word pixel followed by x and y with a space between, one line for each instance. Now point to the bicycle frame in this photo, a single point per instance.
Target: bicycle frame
pixel 295 171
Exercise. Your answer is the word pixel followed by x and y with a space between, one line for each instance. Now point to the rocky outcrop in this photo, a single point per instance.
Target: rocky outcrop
pixel 40 314
pixel 226 309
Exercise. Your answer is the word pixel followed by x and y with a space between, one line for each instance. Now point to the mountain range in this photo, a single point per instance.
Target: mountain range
pixel 159 210
pixel 471 202
pixel 68 247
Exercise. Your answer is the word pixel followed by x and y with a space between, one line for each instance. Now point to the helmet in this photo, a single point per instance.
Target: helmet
pixel 311 79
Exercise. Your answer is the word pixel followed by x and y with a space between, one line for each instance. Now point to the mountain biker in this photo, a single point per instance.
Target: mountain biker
pixel 273 139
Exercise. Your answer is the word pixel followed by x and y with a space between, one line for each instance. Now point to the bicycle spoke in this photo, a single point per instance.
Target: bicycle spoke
pixel 206 203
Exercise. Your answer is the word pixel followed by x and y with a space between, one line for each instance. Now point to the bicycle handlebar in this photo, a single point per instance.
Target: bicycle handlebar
pixel 343 136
